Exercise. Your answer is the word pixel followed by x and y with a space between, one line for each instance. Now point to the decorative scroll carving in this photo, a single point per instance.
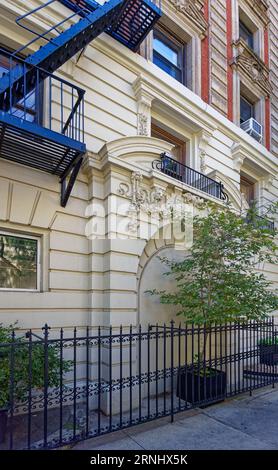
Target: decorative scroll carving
pixel 144 102
pixel 155 202
pixel 267 182
pixel 203 142
pixel 238 156
pixel 193 10
pixel 143 122
pixel 249 63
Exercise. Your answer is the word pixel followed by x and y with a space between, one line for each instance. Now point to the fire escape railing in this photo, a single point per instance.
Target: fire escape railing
pixel 189 176
pixel 41 114
pixel 48 101
pixel 42 122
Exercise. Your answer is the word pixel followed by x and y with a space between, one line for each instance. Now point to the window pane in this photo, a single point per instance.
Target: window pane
pixel 246 110
pixel 18 262
pixel 246 34
pixel 166 66
pixel 165 51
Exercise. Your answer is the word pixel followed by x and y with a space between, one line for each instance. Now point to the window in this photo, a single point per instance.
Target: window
pixel 247 187
pixel 179 151
pixel 169 55
pixel 25 108
pixel 246 35
pixel 246 110
pixel 19 262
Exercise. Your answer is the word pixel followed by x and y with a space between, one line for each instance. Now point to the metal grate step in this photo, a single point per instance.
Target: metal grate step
pixel 128 21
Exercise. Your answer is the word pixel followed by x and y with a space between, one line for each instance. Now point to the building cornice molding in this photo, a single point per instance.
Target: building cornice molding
pixel 244 157
pixel 247 62
pixel 260 8
pixel 193 11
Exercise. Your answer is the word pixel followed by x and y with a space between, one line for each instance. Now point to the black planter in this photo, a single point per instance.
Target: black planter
pixel 194 388
pixel 269 354
pixel 3 423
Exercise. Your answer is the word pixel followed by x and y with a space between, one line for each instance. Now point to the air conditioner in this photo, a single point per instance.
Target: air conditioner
pixel 253 128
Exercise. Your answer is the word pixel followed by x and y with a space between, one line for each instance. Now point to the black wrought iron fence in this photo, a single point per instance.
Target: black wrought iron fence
pixel 59 387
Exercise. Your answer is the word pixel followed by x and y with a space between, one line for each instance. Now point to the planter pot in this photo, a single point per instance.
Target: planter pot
pixel 269 354
pixel 3 423
pixel 194 388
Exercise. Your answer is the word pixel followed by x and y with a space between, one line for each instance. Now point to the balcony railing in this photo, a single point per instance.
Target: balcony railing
pixel 187 175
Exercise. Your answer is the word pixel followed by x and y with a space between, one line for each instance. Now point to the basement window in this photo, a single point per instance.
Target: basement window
pixel 19 262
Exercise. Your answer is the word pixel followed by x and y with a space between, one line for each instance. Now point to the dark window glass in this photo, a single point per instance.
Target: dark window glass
pixel 18 262
pixel 246 35
pixel 168 55
pixel 246 110
pixel 25 108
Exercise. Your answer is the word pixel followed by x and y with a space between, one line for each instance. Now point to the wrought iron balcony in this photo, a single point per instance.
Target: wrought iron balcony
pixel 187 175
pixel 41 121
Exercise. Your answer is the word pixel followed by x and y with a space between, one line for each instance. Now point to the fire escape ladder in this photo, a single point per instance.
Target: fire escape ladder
pixel 54 141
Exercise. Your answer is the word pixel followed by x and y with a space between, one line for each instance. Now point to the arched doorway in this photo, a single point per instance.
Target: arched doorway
pixel 153 276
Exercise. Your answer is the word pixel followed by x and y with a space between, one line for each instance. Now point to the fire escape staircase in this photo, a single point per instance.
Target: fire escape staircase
pixel 53 140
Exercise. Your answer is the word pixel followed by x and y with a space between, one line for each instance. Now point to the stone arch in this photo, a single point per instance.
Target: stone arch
pixel 235 197
pixel 150 275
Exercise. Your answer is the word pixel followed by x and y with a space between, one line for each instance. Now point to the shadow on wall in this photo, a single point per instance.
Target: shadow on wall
pixel 153 277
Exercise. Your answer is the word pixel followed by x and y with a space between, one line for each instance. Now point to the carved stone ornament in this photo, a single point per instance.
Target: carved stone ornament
pixel 248 62
pixel 260 8
pixel 155 202
pixel 143 124
pixel 193 10
pixel 203 163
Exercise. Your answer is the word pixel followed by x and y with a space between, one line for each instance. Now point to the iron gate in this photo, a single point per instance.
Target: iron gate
pixel 92 382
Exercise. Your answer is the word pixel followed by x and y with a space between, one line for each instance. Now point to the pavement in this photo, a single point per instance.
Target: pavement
pixel 242 423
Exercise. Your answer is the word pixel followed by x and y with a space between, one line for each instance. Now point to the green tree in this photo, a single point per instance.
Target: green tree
pixel 27 371
pixel 219 280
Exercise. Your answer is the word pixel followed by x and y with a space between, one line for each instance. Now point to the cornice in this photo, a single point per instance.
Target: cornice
pixel 260 8
pixel 242 156
pixel 193 11
pixel 246 61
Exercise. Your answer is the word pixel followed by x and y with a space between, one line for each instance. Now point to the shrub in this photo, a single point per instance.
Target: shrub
pixel 26 363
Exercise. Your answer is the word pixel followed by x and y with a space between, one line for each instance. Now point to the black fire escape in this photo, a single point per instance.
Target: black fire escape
pixel 53 140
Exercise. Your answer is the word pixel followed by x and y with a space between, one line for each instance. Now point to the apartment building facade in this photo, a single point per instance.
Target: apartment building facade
pixel 191 114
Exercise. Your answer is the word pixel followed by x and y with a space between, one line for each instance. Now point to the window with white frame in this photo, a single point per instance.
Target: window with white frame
pixel 19 262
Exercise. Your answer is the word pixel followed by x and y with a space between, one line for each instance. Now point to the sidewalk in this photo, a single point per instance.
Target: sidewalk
pixel 243 423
